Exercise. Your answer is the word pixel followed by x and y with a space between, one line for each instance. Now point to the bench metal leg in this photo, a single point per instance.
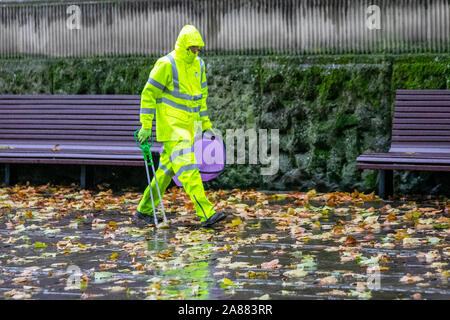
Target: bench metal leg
pixel 83 177
pixel 385 183
pixel 7 174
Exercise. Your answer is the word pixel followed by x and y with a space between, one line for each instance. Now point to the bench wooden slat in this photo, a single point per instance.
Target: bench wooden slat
pixel 414 97
pixel 64 151
pixel 71 122
pixel 418 120
pixel 36 129
pixel 415 160
pixel 421 138
pixel 74 144
pixel 56 103
pixel 420 147
pixel 442 154
pixel 67 137
pixel 69 143
pixel 70 131
pixel 46 151
pixel 417 103
pixel 72 116
pixel 422 115
pixel 395 166
pixel 72 127
pixel 420 133
pixel 18 147
pixel 69 96
pixel 421 92
pixel 423 109
pixel 63 107
pixel 430 126
pixel 71 111
pixel 135 156
pixel 73 161
pixel 431 144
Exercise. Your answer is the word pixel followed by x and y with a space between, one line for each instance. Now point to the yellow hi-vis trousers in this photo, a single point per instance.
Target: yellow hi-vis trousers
pixel 178 159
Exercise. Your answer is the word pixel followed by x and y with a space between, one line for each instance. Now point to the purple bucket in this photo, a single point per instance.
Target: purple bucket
pixel 210 154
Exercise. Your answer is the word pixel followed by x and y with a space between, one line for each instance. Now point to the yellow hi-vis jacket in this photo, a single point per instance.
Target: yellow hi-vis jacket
pixel 176 91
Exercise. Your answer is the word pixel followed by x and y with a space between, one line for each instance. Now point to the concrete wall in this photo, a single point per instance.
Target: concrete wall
pixel 228 26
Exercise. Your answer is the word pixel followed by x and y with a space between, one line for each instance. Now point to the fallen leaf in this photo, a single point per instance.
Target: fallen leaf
pixel 333 292
pixel 296 273
pixel 236 222
pixel 361 295
pixel 40 245
pixel 350 241
pixel 239 265
pixel 226 283
pixel 434 240
pixel 417 296
pixel 107 266
pixel 274 264
pixel 112 225
pixel 17 295
pixel 115 288
pixel 220 273
pixel 401 234
pixel 102 276
pixel 263 297
pixel 408 278
pixel 328 280
pixel 21 280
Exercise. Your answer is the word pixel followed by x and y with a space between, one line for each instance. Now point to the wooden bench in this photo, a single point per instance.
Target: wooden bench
pixel 70 129
pixel 420 137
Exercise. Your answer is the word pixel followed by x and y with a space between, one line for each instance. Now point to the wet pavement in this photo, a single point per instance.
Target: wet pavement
pixel 62 243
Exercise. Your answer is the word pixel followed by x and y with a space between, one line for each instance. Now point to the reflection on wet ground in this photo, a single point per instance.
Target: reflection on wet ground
pixel 60 243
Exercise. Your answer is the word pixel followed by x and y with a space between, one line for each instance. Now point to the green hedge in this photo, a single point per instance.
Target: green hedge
pixel 328 109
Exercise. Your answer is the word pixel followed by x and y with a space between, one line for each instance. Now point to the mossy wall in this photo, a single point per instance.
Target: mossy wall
pixel 328 109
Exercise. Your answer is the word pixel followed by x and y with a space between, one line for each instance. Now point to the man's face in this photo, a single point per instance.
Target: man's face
pixel 194 49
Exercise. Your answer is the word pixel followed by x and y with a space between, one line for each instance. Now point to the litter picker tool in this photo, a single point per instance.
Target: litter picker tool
pixel 145 147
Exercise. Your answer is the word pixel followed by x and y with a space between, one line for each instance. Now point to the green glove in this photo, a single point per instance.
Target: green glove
pixel 144 134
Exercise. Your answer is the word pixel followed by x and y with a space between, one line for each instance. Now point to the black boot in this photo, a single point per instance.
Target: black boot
pixel 149 219
pixel 216 217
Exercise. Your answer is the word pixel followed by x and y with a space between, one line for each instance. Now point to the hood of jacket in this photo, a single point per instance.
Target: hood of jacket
pixel 188 36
